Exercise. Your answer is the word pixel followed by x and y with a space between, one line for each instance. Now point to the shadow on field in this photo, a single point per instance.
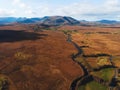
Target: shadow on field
pixel 13 36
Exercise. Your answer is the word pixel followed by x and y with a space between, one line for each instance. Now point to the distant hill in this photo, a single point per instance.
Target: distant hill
pixel 47 20
pixel 99 23
pixel 108 22
pixel 4 20
pixel 59 20
pixel 29 20
pixel 9 20
pixel 55 20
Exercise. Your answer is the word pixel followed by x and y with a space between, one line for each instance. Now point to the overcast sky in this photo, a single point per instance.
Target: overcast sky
pixel 79 9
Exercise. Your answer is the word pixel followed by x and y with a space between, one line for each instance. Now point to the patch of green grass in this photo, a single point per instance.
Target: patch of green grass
pixel 105 74
pixel 51 29
pixel 82 87
pixel 95 86
pixel 69 31
pixel 92 86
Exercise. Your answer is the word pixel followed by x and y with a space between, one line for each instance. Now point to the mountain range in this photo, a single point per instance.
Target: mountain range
pixel 54 20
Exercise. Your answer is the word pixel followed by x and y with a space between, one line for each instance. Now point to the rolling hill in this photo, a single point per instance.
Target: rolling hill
pixel 47 20
pixel 55 20
pixel 59 20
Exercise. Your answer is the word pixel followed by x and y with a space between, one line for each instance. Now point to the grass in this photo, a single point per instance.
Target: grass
pixel 92 86
pixel 105 74
pixel 69 31
pixel 116 61
pixel 79 59
pixel 95 86
pixel 22 56
pixel 82 87
pixel 102 61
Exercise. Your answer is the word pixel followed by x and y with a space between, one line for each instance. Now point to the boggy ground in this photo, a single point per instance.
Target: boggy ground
pixel 100 46
pixel 42 60
pixel 42 63
pixel 98 43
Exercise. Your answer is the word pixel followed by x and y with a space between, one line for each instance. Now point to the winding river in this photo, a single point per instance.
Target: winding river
pixel 87 70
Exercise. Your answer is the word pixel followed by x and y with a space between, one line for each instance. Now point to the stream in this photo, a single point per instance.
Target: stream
pixel 80 53
pixel 86 69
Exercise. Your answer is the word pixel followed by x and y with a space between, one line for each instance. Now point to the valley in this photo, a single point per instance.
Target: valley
pixel 59 58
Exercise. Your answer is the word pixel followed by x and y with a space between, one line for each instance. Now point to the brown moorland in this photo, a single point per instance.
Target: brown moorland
pixel 99 49
pixel 96 41
pixel 36 60
pixel 42 60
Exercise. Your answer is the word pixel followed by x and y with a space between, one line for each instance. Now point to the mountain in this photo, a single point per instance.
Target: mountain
pixel 4 20
pixel 29 20
pixel 47 20
pixel 55 20
pixel 99 23
pixel 9 20
pixel 108 22
pixel 59 20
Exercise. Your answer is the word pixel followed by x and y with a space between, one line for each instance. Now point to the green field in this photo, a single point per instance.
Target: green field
pixel 92 86
pixel 105 74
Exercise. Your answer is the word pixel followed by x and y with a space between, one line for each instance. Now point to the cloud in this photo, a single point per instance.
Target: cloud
pixel 112 3
pixel 23 8
pixel 86 9
pixel 5 12
pixel 19 3
pixel 16 1
pixel 30 12
pixel 109 9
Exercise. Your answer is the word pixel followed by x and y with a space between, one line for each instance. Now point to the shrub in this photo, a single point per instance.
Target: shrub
pixel 102 61
pixel 22 56
pixel 66 31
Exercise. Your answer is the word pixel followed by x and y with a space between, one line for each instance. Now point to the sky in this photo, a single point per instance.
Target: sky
pixel 90 10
